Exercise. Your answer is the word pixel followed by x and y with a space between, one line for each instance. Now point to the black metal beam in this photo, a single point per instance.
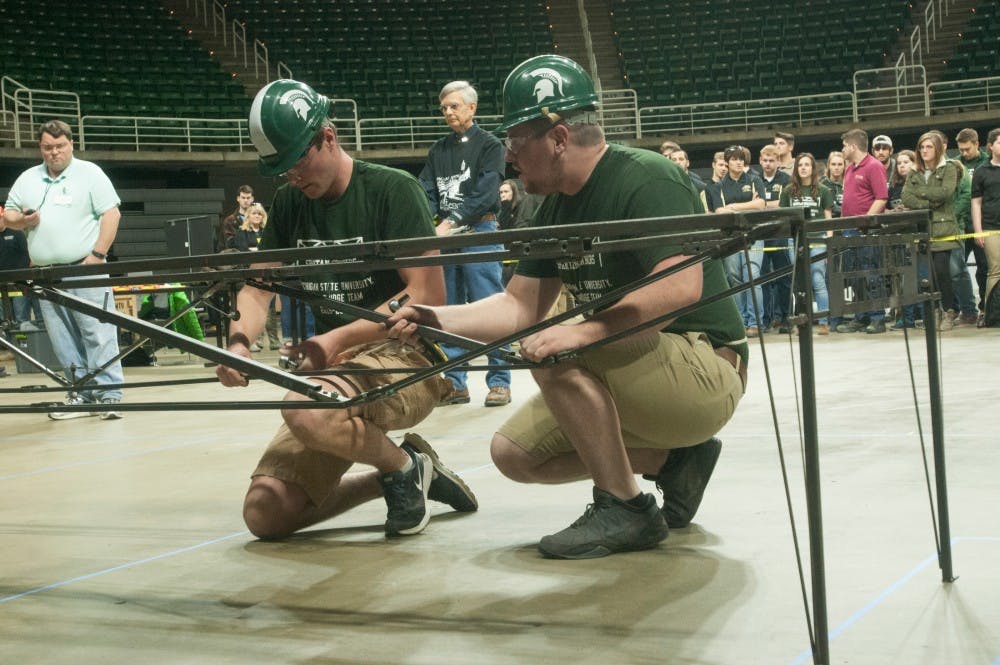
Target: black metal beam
pixel 176 340
pixel 937 436
pixel 709 235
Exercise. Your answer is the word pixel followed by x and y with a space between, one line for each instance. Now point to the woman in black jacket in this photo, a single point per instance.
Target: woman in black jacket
pixel 247 237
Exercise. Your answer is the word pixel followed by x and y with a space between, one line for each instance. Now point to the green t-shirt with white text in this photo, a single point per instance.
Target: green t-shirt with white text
pixel 629 183
pixel 380 203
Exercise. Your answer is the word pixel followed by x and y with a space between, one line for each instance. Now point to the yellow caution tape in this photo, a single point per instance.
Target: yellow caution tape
pixel 963 236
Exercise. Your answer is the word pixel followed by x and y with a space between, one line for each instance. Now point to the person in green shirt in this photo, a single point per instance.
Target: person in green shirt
pixel 805 191
pixel 331 198
pixel 971 157
pixel 649 403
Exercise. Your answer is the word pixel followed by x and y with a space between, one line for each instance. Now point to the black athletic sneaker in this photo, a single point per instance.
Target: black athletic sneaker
pixel 608 525
pixel 406 497
pixel 683 479
pixel 446 486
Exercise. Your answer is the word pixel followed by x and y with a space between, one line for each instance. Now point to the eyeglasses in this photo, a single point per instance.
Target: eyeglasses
pixel 301 163
pixel 515 144
pixel 452 107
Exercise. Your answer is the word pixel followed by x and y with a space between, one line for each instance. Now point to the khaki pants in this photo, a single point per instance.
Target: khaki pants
pixel 992 250
pixel 671 391
pixel 316 472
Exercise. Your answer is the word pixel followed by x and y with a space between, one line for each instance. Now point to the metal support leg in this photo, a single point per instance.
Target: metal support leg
pixel 937 434
pixel 802 286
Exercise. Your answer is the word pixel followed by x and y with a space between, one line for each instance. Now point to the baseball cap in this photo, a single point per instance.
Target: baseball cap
pixel 882 139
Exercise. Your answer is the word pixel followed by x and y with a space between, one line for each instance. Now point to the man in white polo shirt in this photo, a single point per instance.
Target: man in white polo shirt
pixel 69 211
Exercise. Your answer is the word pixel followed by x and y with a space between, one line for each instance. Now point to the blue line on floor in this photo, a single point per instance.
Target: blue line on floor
pixel 123 566
pixel 893 588
pixel 465 472
pixel 132 564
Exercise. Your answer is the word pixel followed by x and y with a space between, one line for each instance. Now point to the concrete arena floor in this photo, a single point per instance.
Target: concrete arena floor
pixel 123 540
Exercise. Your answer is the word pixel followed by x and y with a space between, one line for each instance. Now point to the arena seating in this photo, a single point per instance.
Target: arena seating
pixel 120 57
pixel 977 54
pixel 393 56
pixel 722 50
pixel 131 57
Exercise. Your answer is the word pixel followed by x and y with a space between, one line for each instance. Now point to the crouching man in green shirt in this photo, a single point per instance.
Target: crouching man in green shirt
pixel 331 198
pixel 648 404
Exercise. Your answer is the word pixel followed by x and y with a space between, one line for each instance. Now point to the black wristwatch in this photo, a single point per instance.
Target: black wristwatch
pixel 98 254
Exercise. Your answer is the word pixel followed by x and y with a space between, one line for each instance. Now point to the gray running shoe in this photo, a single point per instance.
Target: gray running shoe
pixel 683 478
pixel 446 485
pixel 72 400
pixel 110 415
pixel 406 497
pixel 608 525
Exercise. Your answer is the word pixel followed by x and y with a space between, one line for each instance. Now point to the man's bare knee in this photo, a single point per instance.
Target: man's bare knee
pixel 272 509
pixel 300 420
pixel 512 460
pixel 554 375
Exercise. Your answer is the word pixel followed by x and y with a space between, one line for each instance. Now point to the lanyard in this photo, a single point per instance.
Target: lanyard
pixel 45 194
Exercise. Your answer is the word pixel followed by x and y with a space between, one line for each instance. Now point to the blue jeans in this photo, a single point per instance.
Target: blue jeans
pixel 82 343
pixel 862 258
pixel 913 312
pixel 470 282
pixel 962 284
pixel 286 320
pixel 870 260
pixel 23 306
pixel 818 272
pixel 736 272
pixel 777 294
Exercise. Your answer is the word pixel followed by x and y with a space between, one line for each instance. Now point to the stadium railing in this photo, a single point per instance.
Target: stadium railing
pixel 8 128
pixel 747 115
pixel 32 106
pixel 981 94
pixel 623 120
pixel 410 133
pixel 891 90
pixel 118 132
pixel 620 113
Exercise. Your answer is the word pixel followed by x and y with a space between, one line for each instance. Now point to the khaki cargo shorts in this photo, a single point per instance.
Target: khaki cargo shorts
pixel 671 391
pixel 316 472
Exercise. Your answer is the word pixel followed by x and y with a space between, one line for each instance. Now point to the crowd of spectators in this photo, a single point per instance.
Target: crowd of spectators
pixel 883 179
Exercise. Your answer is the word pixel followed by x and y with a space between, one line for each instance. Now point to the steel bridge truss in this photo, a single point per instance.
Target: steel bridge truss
pixel 873 262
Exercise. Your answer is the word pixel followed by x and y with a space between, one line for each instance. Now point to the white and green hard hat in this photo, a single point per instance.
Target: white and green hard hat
pixel 546 85
pixel 284 118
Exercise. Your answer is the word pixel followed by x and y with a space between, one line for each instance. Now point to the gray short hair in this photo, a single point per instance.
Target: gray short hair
pixel 468 92
pixel 586 134
pixel 584 130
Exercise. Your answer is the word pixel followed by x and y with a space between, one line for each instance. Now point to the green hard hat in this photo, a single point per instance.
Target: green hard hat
pixel 284 118
pixel 545 84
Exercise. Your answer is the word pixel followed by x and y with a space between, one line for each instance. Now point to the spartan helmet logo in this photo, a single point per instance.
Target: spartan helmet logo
pixel 299 102
pixel 549 83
